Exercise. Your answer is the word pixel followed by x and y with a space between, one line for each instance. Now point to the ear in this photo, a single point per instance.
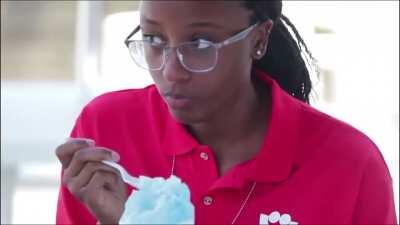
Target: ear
pixel 261 39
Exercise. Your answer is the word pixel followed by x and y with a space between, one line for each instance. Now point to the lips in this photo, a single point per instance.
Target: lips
pixel 177 101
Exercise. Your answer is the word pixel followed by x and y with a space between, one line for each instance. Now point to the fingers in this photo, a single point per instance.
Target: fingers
pixel 65 151
pixel 75 184
pixel 102 184
pixel 81 159
pixel 97 185
pixel 99 195
pixel 90 154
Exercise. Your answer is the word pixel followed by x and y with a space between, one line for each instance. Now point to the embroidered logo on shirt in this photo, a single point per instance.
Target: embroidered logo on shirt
pixel 276 217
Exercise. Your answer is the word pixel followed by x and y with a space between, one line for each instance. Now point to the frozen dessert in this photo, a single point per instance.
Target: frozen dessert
pixel 156 200
pixel 159 201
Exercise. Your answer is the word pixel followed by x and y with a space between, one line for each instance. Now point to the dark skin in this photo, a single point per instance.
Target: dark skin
pixel 97 186
pixel 224 109
pixel 233 121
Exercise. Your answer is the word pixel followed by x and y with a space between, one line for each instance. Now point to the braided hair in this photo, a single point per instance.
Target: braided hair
pixel 283 60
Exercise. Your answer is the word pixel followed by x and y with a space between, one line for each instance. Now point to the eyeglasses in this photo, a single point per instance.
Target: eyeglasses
pixel 196 56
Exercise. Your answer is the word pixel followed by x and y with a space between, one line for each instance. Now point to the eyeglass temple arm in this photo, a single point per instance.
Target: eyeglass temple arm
pixel 237 37
pixel 131 34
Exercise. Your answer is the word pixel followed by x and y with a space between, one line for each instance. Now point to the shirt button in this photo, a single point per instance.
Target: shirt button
pixel 207 200
pixel 204 156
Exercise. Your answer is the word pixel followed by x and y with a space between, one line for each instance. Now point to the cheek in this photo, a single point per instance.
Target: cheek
pixel 156 76
pixel 158 82
pixel 241 62
pixel 235 60
pixel 232 72
pixel 230 77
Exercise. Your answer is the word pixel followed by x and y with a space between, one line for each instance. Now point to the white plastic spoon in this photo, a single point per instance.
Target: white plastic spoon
pixel 126 177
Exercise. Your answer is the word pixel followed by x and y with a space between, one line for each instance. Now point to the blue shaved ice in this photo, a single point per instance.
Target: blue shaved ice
pixel 159 201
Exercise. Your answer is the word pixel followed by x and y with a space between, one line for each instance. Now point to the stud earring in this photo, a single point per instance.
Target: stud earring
pixel 259 52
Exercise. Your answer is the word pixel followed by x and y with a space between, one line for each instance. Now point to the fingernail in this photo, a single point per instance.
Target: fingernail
pixel 88 141
pixel 115 156
pixel 68 139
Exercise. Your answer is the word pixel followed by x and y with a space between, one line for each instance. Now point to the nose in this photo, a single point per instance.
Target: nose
pixel 173 70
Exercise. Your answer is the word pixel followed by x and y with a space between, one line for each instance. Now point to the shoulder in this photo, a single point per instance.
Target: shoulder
pixel 120 113
pixel 127 98
pixel 123 101
pixel 118 109
pixel 335 141
pixel 337 154
pixel 333 129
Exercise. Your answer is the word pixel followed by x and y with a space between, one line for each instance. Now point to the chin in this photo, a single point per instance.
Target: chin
pixel 185 117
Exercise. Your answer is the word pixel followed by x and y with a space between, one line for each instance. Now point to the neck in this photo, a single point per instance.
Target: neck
pixel 236 132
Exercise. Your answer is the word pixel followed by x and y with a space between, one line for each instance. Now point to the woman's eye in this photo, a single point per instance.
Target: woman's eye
pixel 153 39
pixel 202 43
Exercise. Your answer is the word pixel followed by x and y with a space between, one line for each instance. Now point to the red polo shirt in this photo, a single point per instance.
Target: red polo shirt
pixel 312 168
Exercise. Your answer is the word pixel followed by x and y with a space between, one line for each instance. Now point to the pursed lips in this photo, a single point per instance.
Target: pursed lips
pixel 177 100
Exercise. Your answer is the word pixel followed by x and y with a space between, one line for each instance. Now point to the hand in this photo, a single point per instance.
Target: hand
pixel 98 186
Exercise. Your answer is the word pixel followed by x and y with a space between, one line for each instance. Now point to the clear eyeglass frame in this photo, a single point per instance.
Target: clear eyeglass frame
pixel 130 44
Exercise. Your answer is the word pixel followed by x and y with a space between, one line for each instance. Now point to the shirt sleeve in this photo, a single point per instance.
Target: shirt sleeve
pixel 69 209
pixel 375 201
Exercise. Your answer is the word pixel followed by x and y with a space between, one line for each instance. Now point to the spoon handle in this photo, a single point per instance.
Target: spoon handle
pixel 126 177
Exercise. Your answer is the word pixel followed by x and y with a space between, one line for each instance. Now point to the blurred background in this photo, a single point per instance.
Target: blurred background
pixel 57 55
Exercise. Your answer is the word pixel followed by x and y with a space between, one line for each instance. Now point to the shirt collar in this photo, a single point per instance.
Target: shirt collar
pixel 275 160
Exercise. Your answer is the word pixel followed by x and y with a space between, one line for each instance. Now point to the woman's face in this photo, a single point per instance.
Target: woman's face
pixel 197 97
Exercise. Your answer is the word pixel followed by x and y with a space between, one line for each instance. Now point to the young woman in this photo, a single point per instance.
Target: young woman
pixel 228 114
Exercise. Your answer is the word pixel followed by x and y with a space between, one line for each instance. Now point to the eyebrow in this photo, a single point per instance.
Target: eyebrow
pixel 191 25
pixel 205 24
pixel 150 21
